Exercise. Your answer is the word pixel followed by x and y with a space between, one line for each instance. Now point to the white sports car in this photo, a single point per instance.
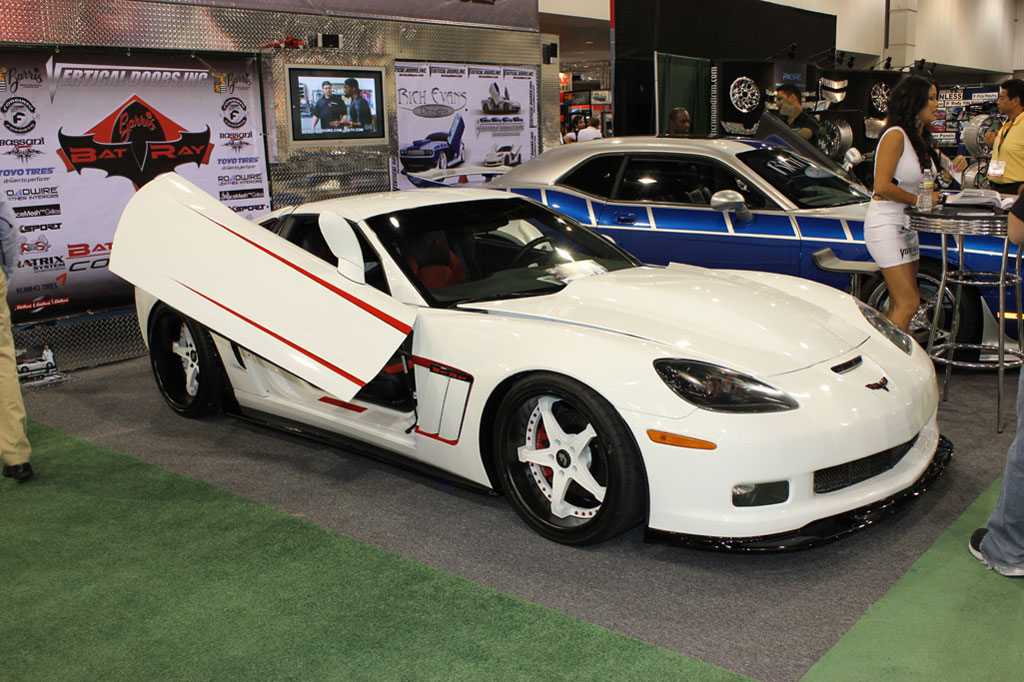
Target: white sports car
pixel 487 338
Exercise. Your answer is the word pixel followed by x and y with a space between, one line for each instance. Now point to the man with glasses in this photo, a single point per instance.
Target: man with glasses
pixel 1006 167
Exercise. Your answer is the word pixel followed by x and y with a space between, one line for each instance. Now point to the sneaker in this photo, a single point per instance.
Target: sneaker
pixel 974 545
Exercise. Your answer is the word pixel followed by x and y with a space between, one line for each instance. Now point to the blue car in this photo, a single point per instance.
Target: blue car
pixel 653 197
pixel 437 150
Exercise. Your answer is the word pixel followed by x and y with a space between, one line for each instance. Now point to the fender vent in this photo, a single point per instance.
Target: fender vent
pixel 844 367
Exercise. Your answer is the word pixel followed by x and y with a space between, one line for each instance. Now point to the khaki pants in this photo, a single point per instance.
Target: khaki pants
pixel 14 447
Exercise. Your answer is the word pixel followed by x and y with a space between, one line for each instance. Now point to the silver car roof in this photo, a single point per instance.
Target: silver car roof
pixel 553 163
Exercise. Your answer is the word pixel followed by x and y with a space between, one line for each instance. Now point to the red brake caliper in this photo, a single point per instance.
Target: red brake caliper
pixel 543 442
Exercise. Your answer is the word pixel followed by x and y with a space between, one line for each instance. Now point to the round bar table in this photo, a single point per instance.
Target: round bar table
pixel 960 222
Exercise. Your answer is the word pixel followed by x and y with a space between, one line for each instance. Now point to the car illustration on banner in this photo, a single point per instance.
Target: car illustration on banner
pixel 489 340
pixel 499 103
pixel 742 203
pixel 504 155
pixel 437 150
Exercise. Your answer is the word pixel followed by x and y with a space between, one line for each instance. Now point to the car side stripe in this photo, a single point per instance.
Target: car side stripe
pixel 379 314
pixel 334 368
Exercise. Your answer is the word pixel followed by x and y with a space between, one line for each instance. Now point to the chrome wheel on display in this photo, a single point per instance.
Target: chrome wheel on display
pixel 974 134
pixel 567 462
pixel 835 138
pixel 744 94
pixel 975 175
pixel 880 97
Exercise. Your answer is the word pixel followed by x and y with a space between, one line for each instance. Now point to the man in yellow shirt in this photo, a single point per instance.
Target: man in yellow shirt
pixel 1006 167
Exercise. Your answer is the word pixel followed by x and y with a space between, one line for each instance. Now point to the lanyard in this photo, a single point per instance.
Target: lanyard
pixel 1005 131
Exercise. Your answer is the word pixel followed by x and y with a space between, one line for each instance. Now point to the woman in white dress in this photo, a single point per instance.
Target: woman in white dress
pixel 905 149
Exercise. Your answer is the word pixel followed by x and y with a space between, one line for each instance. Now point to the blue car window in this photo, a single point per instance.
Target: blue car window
pixel 804 182
pixel 595 176
pixel 682 180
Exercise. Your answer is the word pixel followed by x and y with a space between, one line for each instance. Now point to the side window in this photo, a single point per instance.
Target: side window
pixel 596 176
pixel 304 232
pixel 682 180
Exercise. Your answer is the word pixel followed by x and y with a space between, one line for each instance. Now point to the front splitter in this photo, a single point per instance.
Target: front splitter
pixel 822 531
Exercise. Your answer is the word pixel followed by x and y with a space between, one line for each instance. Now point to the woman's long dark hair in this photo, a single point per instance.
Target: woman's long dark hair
pixel 906 100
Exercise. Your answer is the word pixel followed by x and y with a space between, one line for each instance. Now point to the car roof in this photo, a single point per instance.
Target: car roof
pixel 363 206
pixel 553 163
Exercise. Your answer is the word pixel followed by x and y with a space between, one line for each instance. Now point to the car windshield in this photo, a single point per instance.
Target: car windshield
pixel 805 183
pixel 493 249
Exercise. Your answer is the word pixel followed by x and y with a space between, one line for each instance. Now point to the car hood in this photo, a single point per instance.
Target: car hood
pixel 719 316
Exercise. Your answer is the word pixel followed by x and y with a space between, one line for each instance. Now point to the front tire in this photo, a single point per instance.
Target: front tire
pixel 185 363
pixel 567 462
pixel 876 294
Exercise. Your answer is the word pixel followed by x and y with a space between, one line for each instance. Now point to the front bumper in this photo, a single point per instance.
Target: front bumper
pixel 822 531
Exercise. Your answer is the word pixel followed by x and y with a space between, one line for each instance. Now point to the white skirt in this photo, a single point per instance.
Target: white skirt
pixel 889 238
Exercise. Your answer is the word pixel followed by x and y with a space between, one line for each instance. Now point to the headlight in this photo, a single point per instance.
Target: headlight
pixel 719 389
pixel 887 328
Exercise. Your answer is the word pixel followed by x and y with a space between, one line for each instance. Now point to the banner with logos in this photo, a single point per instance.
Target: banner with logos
pixel 464 116
pixel 82 132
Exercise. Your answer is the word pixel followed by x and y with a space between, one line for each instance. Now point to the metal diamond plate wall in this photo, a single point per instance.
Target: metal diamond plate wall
pixel 303 174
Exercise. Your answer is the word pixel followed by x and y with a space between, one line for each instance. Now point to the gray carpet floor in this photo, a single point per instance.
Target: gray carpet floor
pixel 769 617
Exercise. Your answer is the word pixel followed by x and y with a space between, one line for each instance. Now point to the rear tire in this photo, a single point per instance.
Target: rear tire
pixel 876 294
pixel 185 363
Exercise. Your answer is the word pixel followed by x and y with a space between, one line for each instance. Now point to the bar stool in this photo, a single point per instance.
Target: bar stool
pixel 960 222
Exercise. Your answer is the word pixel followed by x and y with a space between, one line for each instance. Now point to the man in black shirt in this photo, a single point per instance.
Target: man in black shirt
pixel 790 103
pixel 329 109
pixel 359 116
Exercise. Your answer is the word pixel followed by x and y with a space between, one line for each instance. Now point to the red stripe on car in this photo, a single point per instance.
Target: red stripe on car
pixel 334 368
pixel 379 314
pixel 341 403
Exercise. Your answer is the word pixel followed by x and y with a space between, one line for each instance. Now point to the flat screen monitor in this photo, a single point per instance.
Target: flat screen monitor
pixel 336 105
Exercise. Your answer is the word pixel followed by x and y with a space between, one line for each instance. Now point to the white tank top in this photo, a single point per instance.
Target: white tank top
pixel 907 177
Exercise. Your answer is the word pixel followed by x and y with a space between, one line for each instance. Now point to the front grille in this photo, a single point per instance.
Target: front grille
pixel 845 475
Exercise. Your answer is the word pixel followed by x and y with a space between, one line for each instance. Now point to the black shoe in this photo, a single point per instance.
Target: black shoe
pixel 19 472
pixel 974 545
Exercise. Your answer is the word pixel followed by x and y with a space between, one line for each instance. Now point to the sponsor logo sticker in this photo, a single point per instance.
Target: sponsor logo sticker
pixel 234 112
pixel 19 115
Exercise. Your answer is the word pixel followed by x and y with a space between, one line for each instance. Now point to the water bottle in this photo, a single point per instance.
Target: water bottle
pixel 924 193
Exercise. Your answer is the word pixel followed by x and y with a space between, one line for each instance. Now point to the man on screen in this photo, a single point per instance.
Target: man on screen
pixel 329 110
pixel 359 116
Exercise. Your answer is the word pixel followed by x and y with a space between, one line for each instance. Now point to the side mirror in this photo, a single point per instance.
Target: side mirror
pixel 852 158
pixel 343 243
pixel 730 200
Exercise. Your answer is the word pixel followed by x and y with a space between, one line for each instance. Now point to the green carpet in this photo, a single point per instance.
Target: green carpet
pixel 112 569
pixel 947 618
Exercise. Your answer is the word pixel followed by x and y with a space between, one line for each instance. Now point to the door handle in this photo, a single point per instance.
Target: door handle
pixel 625 218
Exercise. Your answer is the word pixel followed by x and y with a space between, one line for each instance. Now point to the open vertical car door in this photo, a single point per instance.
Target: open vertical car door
pixel 249 285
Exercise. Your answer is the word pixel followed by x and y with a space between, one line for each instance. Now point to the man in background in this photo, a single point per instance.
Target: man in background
pixel 678 122
pixel 791 107
pixel 1006 167
pixel 14 446
pixel 591 132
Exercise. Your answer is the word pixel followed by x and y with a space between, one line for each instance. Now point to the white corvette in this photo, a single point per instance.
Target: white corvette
pixel 490 340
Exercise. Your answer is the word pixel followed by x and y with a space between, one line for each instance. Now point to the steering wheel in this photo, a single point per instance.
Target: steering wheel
pixel 527 247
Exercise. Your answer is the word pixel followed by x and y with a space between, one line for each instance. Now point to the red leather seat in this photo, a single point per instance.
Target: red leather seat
pixel 434 263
